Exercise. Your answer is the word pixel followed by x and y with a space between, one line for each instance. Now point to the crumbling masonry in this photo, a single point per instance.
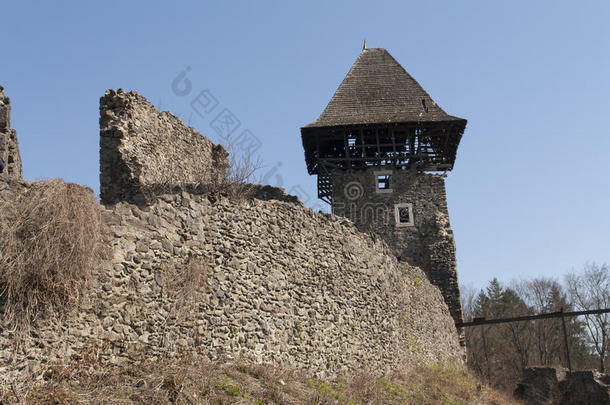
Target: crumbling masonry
pixel 279 283
pixel 143 149
pixel 9 148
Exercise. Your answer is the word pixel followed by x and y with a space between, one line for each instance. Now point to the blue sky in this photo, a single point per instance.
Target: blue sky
pixel 529 192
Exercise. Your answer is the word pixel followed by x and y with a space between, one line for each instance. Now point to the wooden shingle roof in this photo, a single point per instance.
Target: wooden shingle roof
pixel 378 90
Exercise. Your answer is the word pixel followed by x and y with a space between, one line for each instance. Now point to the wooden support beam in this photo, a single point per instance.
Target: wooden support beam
pixel 393 140
pixel 346 146
pixel 377 137
pixel 445 150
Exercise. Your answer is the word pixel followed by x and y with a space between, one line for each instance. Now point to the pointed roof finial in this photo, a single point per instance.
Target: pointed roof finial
pixel 364 46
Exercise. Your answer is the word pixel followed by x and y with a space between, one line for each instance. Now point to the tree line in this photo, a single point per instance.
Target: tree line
pixel 499 352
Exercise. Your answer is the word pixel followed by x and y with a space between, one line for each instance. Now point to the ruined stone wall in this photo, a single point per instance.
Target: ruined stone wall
pixel 143 149
pixel 278 283
pixel 427 242
pixel 9 147
pixel 266 279
pixel 549 385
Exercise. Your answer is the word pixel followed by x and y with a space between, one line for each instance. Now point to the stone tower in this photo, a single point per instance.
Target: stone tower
pixel 380 150
pixel 9 148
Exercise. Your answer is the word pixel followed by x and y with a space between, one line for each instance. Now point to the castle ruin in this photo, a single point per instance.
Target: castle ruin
pixel 278 283
pixel 380 150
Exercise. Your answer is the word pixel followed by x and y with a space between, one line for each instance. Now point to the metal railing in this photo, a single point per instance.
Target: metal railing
pixel 559 314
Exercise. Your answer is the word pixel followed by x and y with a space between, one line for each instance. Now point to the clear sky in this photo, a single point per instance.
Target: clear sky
pixel 529 192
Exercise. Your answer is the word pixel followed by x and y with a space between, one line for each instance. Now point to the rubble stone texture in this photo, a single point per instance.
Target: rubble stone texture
pixel 144 149
pixel 282 284
pixel 428 244
pixel 266 279
pixel 9 147
pixel 548 385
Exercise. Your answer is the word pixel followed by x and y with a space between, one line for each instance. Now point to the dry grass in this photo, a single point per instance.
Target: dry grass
pixel 51 241
pixel 193 380
pixel 236 184
pixel 237 181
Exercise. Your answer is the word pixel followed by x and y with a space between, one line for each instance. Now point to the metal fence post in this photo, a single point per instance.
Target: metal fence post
pixel 565 339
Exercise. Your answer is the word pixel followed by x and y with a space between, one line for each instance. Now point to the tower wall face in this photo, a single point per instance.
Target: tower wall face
pixel 411 216
pixel 9 147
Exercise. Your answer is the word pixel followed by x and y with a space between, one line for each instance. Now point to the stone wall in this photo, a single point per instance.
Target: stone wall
pixel 143 149
pixel 549 385
pixel 428 242
pixel 267 280
pixel 9 147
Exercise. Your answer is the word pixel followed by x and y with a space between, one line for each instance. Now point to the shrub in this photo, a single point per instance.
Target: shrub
pixel 234 182
pixel 51 241
pixel 240 173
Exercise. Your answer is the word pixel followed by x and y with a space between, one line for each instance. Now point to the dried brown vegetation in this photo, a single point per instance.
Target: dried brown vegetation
pixel 194 380
pixel 240 174
pixel 238 182
pixel 51 241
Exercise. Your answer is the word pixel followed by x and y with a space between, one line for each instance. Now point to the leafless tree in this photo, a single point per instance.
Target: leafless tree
pixel 478 359
pixel 497 353
pixel 240 174
pixel 590 290
pixel 468 293
pixel 544 295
